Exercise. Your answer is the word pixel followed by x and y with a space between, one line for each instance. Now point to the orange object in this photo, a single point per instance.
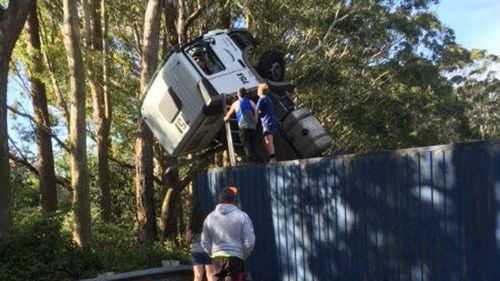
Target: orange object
pixel 234 190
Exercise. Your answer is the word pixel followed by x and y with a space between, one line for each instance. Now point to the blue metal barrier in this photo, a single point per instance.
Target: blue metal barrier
pixel 421 214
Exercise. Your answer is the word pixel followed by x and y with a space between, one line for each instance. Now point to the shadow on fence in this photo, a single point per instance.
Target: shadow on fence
pixel 417 214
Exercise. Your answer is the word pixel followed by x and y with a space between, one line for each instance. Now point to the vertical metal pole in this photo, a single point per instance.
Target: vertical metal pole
pixel 229 136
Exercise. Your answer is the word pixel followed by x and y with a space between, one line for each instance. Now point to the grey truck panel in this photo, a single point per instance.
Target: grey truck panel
pixel 173 104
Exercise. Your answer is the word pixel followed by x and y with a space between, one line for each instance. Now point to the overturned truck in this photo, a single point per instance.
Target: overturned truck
pixel 184 103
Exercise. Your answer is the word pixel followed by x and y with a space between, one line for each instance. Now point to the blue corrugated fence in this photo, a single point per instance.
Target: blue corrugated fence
pixel 416 214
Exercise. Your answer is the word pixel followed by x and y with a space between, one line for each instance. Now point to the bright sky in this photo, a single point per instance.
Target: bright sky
pixel 476 22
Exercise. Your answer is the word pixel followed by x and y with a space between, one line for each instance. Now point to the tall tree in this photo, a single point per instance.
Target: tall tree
pixel 77 132
pixel 170 179
pixel 100 98
pixel 478 88
pixel 170 37
pixel 11 23
pixel 146 215
pixel 378 63
pixel 47 176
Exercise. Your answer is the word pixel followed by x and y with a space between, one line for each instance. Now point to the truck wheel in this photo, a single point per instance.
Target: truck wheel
pixel 272 66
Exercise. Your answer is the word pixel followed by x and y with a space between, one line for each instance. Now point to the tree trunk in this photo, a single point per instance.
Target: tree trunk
pixel 181 22
pixel 105 115
pixel 5 193
pixel 225 17
pixel 170 38
pixel 101 106
pixel 146 215
pixel 77 133
pixel 170 209
pixel 47 176
pixel 11 24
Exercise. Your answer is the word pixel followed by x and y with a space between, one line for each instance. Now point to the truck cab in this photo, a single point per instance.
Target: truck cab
pixel 184 103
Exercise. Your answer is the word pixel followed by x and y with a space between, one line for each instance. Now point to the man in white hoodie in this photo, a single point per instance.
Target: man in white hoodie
pixel 228 237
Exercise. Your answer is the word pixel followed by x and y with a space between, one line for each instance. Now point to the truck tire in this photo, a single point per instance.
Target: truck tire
pixel 272 66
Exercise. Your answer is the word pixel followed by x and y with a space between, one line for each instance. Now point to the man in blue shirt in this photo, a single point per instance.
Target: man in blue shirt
pixel 268 119
pixel 246 115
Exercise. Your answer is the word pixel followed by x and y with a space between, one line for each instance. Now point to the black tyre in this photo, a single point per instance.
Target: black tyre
pixel 272 66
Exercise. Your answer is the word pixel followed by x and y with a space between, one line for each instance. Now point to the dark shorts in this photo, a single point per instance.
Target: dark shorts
pixel 201 258
pixel 268 130
pixel 229 269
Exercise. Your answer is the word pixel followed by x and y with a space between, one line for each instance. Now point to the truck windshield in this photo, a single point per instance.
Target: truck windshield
pixel 202 53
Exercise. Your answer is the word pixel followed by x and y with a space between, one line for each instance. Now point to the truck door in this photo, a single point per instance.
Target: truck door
pixel 220 60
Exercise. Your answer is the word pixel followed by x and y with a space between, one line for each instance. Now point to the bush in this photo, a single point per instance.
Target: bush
pixel 119 251
pixel 38 248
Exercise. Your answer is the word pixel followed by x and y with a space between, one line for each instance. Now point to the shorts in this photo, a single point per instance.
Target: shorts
pixel 201 258
pixel 268 130
pixel 229 268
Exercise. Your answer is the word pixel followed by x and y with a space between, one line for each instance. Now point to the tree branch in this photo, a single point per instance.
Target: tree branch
pixel 131 167
pixel 13 143
pixel 121 163
pixel 17 160
pixel 45 128
pixel 57 90
pixel 191 18
pixel 335 21
pixel 20 81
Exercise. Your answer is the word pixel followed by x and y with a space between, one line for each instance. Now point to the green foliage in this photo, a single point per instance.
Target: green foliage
pixel 24 191
pixel 478 88
pixel 39 248
pixel 374 72
pixel 123 253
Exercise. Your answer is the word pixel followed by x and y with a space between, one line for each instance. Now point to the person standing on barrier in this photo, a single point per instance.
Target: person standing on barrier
pixel 202 264
pixel 246 115
pixel 228 237
pixel 268 119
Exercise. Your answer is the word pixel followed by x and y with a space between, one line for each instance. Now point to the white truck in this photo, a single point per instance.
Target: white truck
pixel 183 105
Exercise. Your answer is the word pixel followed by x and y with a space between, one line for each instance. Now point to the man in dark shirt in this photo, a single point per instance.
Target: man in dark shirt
pixel 268 119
